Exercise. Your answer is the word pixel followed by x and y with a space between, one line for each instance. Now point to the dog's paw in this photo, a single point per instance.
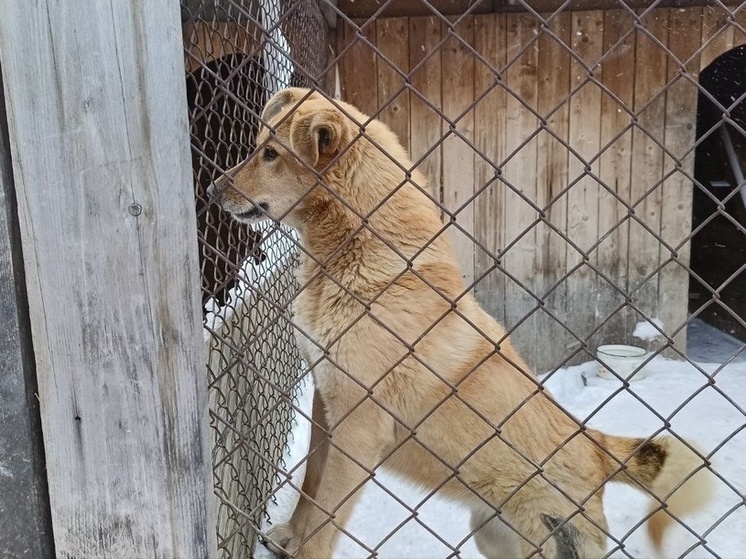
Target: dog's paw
pixel 282 541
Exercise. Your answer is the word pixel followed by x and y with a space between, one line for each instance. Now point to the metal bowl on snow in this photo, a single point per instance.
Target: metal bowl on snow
pixel 622 359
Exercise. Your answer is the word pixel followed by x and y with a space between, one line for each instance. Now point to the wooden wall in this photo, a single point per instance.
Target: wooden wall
pixel 563 152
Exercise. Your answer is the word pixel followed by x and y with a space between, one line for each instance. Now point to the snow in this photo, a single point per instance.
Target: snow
pixel 648 330
pixel 702 402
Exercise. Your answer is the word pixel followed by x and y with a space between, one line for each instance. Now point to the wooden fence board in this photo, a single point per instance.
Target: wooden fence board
pixel 425 122
pixel 393 43
pixel 651 77
pixel 489 40
pixel 25 523
pixel 98 129
pixel 520 175
pixel 359 86
pixel 615 171
pixel 717 34
pixel 458 156
pixel 552 170
pixel 584 195
pixel 676 203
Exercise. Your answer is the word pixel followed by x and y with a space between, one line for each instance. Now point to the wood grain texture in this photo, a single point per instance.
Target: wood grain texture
pixel 490 41
pixel 424 121
pixel 615 173
pixel 393 97
pixel 25 522
pixel 458 156
pixel 97 121
pixel 584 195
pixel 676 201
pixel 519 170
pixel 358 68
pixel 651 77
pixel 552 179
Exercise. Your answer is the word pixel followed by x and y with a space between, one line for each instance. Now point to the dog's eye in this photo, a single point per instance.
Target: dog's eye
pixel 270 154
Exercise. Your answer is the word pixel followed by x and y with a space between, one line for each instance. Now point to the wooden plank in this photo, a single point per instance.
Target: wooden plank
pixel 105 199
pixel 615 172
pixel 369 8
pixel 680 135
pixel 489 138
pixel 359 87
pixel 717 34
pixel 458 157
pixel 424 121
pixel 519 172
pixel 25 523
pixel 651 71
pixel 551 179
pixel 393 97
pixel 582 211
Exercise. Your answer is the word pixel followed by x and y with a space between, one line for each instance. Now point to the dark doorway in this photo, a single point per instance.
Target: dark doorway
pixel 225 99
pixel 717 286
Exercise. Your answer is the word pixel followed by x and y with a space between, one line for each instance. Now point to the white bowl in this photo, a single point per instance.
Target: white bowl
pixel 622 359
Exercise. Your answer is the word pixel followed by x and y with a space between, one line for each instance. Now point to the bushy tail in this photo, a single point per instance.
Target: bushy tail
pixel 669 469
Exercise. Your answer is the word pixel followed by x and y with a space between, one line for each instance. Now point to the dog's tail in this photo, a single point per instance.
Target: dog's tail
pixel 673 471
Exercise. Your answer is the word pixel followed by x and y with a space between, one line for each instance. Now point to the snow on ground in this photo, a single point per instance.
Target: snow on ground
pixel 703 403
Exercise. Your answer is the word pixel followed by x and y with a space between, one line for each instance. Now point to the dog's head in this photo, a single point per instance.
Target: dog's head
pixel 302 134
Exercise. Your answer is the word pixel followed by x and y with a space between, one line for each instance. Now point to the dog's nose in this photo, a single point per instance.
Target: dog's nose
pixel 211 191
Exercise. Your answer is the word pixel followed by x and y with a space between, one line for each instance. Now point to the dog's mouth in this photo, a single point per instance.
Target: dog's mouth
pixel 258 211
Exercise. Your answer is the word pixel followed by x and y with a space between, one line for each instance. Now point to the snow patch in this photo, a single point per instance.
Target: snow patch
pixel 646 330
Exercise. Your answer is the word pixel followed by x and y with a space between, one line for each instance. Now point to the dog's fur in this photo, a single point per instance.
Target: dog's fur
pixel 410 373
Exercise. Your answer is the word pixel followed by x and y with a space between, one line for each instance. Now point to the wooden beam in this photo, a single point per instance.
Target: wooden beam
pixel 98 131
pixel 369 8
pixel 25 524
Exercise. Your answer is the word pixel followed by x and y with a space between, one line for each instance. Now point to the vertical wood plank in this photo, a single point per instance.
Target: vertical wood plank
pixel 393 44
pixel 106 211
pixel 359 86
pixel 615 172
pixel 583 197
pixel 520 175
pixel 717 34
pixel 424 122
pixel 552 176
pixel 489 138
pixel 25 523
pixel 651 71
pixel 458 156
pixel 680 134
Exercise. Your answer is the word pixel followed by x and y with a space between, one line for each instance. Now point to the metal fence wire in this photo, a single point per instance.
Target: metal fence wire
pixel 587 159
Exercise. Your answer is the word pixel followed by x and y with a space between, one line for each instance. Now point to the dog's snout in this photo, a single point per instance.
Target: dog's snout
pixel 216 188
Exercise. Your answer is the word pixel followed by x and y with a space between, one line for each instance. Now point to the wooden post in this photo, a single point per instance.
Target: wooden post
pixel 25 525
pixel 97 120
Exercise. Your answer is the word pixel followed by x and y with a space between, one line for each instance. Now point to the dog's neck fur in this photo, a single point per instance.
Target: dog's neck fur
pixel 359 242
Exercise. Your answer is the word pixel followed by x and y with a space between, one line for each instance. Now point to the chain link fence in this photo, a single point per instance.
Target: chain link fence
pixel 587 162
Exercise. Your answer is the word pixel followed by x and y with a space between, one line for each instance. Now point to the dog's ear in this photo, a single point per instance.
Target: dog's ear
pixel 317 137
pixel 280 100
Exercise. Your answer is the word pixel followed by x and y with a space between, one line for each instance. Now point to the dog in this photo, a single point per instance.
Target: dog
pixel 410 373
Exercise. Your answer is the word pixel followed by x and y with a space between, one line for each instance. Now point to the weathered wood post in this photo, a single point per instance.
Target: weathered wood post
pixel 97 120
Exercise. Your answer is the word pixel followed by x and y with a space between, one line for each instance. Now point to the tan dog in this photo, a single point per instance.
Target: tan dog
pixel 411 374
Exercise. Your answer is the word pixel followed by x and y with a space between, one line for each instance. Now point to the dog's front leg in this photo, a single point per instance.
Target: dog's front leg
pixel 284 539
pixel 354 450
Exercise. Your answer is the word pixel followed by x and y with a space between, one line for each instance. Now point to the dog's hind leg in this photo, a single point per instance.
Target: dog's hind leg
pixel 494 539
